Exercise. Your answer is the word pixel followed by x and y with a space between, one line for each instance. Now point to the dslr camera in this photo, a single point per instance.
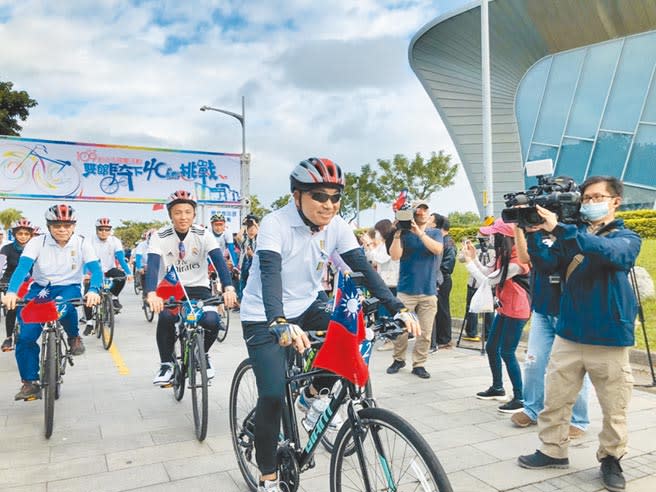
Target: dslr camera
pixel 250 220
pixel 560 195
pixel 404 216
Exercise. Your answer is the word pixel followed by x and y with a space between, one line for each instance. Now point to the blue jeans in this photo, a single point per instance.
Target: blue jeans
pixel 27 348
pixel 540 341
pixel 505 334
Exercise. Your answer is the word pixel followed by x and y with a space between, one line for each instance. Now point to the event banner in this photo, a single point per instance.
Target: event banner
pixel 48 169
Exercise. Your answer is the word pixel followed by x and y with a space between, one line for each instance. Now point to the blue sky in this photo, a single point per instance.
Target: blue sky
pixel 320 78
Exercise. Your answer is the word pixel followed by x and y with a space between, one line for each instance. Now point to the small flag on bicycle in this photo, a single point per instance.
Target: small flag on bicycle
pixel 24 287
pixel 40 309
pixel 340 352
pixel 170 286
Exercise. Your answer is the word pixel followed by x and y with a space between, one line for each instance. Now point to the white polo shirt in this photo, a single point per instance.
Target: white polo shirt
pixel 106 251
pixel 303 255
pixel 59 265
pixel 192 268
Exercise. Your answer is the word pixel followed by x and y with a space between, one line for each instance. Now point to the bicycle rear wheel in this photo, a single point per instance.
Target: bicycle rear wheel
pixel 394 457
pixel 108 322
pixel 49 383
pixel 225 320
pixel 243 399
pixel 198 384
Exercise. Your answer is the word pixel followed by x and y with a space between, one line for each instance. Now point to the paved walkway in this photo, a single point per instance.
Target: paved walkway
pixel 114 431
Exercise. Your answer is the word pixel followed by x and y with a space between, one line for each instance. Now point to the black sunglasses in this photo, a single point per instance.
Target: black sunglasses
pixel 321 197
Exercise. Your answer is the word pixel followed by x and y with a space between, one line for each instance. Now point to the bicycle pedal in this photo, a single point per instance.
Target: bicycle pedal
pixel 32 398
pixel 167 385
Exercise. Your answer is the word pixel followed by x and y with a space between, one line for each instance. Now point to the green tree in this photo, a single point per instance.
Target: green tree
pixel 257 208
pixel 463 219
pixel 8 216
pixel 367 182
pixel 281 201
pixel 130 231
pixel 14 106
pixel 421 177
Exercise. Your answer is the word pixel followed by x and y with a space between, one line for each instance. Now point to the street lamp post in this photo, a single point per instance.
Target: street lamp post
pixel 244 159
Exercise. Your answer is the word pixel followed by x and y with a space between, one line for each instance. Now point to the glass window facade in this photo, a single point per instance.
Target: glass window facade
pixel 593 111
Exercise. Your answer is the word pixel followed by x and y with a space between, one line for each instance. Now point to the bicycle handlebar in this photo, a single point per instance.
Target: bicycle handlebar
pixel 75 301
pixel 210 301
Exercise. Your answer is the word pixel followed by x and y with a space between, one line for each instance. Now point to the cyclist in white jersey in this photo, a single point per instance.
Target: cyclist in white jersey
pixel 187 246
pixel 58 260
pixel 109 250
pixel 223 237
pixel 284 291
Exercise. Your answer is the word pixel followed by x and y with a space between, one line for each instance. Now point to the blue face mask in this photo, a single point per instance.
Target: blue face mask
pixel 594 211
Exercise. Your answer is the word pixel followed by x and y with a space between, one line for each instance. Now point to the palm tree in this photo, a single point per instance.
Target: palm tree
pixel 8 216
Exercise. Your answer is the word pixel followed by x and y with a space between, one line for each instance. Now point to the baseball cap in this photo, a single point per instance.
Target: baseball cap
pixel 499 227
pixel 420 203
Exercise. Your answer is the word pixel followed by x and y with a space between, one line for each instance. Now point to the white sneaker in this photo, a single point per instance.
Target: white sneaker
pixel 210 369
pixel 164 375
pixel 313 408
pixel 269 486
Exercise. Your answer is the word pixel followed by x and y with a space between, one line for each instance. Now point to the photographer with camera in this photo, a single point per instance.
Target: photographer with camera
pixel 247 239
pixel 418 247
pixel 595 329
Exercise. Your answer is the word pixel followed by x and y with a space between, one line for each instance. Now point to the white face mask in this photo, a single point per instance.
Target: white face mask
pixel 594 211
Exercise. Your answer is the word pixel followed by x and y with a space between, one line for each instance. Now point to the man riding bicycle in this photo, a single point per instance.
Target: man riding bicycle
pixel 284 291
pixel 109 250
pixel 58 260
pixel 186 246
pixel 223 238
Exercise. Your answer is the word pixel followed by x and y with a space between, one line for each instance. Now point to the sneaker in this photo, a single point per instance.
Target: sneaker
pixel 420 372
pixel 611 474
pixel 388 345
pixel 117 305
pixel 513 406
pixel 539 460
pixel 433 350
pixel 520 419
pixel 29 391
pixel 88 329
pixel 269 486
pixel 396 365
pixel 165 374
pixel 492 394
pixel 472 339
pixel 445 346
pixel 77 347
pixel 209 368
pixel 8 344
pixel 313 407
pixel 575 432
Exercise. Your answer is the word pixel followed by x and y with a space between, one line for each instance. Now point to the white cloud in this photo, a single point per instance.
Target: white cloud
pixel 100 75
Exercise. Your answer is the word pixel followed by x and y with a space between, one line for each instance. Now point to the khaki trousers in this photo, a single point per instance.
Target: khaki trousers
pixel 610 373
pixel 425 308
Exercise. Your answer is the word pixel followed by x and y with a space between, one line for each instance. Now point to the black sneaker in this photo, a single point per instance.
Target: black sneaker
pixel 396 365
pixel 117 305
pixel 76 345
pixel 492 394
pixel 611 474
pixel 29 391
pixel 88 329
pixel 8 344
pixel 513 406
pixel 420 372
pixel 539 460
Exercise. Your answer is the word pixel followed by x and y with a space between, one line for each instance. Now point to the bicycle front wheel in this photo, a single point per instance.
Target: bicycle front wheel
pixel 393 456
pixel 198 384
pixel 243 399
pixel 328 439
pixel 108 322
pixel 225 322
pixel 49 379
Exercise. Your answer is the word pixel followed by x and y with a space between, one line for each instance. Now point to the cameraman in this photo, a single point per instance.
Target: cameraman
pixel 418 249
pixel 247 246
pixel 595 328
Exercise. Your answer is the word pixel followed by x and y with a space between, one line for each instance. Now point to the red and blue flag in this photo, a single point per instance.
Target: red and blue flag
pixel 340 352
pixel 170 286
pixel 41 309
pixel 400 200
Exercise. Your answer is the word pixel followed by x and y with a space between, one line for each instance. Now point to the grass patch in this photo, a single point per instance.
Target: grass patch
pixel 647 259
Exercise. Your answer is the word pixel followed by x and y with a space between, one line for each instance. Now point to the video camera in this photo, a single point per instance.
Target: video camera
pixel 250 220
pixel 404 216
pixel 559 195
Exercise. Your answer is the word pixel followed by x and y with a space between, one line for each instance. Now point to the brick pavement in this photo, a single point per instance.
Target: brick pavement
pixel 116 432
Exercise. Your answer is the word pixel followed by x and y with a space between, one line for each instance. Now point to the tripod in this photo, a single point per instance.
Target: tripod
pixel 641 317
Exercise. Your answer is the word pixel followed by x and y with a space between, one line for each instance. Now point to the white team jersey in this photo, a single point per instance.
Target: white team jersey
pixel 59 265
pixel 192 266
pixel 141 249
pixel 106 251
pixel 303 255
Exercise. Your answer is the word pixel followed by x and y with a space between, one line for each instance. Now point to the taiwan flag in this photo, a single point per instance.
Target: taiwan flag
pixel 24 287
pixel 340 352
pixel 170 286
pixel 401 199
pixel 41 309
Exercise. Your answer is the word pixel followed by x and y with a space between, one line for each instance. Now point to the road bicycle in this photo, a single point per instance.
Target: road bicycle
pixel 138 288
pixel 104 313
pixel 55 355
pixel 190 361
pixel 374 450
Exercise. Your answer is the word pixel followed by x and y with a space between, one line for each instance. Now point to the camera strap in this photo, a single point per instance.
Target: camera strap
pixel 578 259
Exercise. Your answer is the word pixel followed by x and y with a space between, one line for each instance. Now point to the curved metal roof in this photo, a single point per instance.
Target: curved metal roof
pixel 446 57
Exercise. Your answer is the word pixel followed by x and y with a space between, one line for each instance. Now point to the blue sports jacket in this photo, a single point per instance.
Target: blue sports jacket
pixel 598 306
